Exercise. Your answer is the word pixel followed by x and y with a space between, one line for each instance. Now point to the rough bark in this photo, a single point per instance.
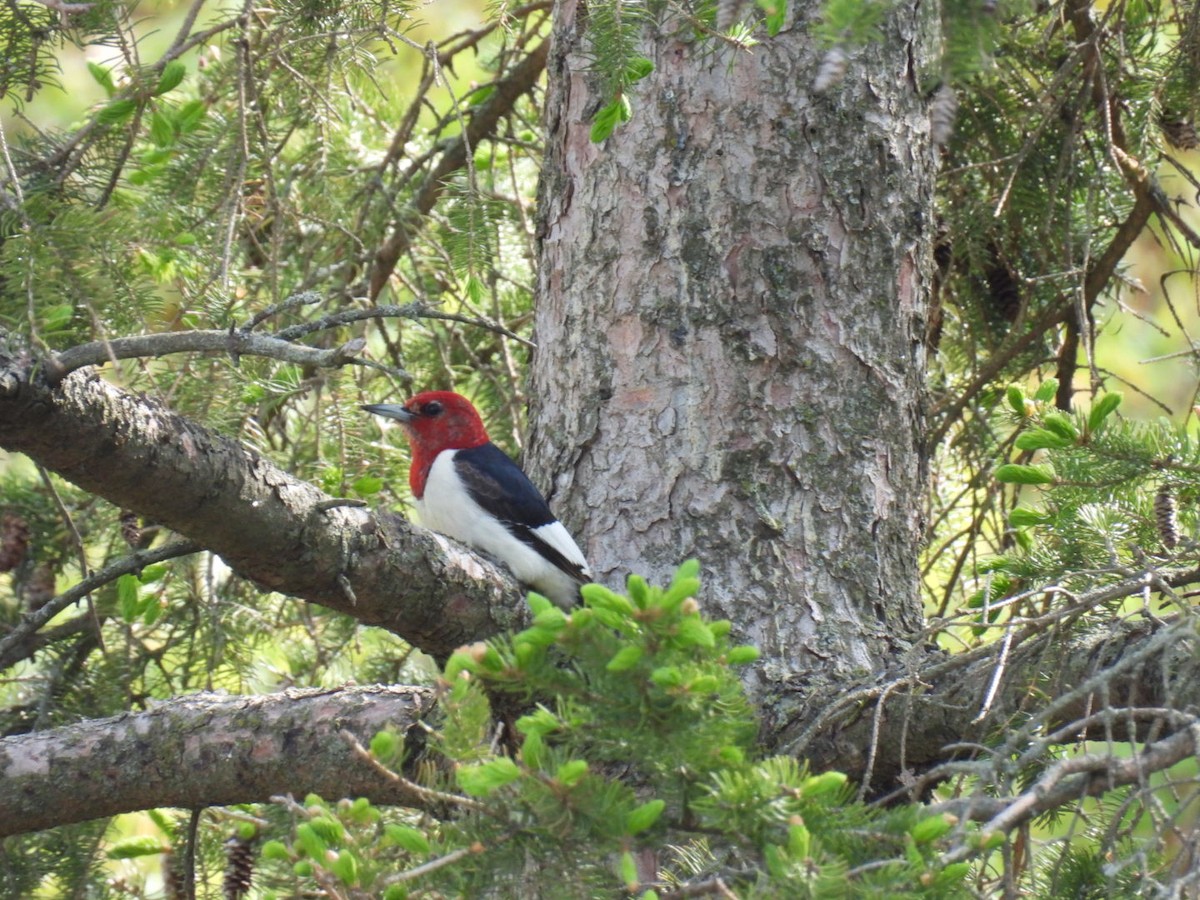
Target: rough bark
pixel 279 532
pixel 729 323
pixel 204 750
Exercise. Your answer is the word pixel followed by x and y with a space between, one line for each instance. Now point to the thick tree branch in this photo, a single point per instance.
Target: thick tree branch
pixel 281 533
pixel 203 750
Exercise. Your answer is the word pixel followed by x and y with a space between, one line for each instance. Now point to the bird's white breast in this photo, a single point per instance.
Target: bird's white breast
pixel 449 509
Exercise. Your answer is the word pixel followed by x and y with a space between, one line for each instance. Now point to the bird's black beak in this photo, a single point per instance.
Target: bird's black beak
pixel 391 411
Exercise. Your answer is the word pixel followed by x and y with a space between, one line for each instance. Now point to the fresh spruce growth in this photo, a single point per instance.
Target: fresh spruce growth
pixel 1093 493
pixel 636 736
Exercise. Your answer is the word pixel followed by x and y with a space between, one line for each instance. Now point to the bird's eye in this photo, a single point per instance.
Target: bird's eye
pixel 432 408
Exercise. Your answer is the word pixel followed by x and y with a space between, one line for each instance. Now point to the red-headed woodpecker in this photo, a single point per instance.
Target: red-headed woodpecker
pixel 467 488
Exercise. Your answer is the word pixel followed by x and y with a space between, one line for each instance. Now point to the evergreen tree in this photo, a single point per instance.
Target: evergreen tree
pixel 787 263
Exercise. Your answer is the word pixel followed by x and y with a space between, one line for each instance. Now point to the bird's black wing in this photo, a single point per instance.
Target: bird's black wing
pixel 499 486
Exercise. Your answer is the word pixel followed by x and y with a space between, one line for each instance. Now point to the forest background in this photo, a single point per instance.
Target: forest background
pixel 302 207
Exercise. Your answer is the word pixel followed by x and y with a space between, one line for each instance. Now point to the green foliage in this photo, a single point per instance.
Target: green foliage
pixel 637 735
pixel 1101 475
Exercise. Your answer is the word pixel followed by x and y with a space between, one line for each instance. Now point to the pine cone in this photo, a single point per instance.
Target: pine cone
pixel 14 541
pixel 131 529
pixel 239 868
pixel 172 876
pixel 1180 131
pixel 1166 517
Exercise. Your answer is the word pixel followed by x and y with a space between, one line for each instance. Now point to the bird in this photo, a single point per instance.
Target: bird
pixel 469 489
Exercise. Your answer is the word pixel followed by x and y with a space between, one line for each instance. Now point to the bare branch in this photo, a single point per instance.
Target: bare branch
pixel 415 310
pixel 1068 781
pixel 235 343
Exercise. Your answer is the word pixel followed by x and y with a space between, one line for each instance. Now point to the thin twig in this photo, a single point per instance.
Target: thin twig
pixel 426 795
pixel 127 565
pixel 415 310
pixel 235 343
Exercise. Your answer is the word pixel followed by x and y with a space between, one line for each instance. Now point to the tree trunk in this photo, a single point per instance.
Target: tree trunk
pixel 730 319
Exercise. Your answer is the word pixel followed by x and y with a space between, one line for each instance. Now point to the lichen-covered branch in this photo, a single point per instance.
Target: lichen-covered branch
pixel 202 750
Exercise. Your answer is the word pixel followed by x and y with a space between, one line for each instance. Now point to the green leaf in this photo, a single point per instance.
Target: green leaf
pixel 644 816
pixel 694 633
pixel 345 867
pixel 162 129
pixel 639 591
pixel 680 590
pixel 275 850
pixel 637 69
pixel 366 485
pixel 1041 439
pixel 475 289
pixel 411 839
pixel 776 15
pixel 609 117
pixel 823 785
pixel 799 841
pixel 952 874
pixel 539 637
pixel 57 318
pixel 129 598
pixel 931 828
pixel 571 771
pixel 1016 399
pixel 153 573
pixel 1047 390
pixel 553 619
pixel 533 750
pixel 537 603
pixel 132 847
pixel 103 77
pixel 152 611
pixel 1102 409
pixel 628 870
pixel 625 658
pixel 1021 517
pixel 330 830
pixel 600 597
pixel 116 111
pixel 172 74
pixel 310 842
pixel 190 115
pixel 459 661
pixel 384 745
pixel 667 676
pixel 483 779
pixel 1061 425
pixel 743 655
pixel 1012 473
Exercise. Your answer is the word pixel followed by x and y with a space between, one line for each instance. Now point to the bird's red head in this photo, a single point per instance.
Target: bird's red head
pixel 435 421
